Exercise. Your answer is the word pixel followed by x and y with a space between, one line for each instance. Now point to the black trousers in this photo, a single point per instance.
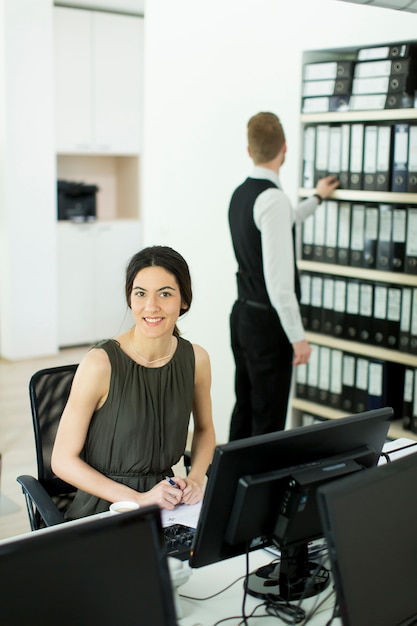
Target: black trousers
pixel 263 358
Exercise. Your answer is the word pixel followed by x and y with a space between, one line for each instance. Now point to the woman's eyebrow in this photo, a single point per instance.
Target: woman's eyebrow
pixel 138 288
pixel 167 287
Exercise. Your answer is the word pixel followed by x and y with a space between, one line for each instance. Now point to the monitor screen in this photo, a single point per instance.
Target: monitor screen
pixel 104 571
pixel 262 489
pixel 369 523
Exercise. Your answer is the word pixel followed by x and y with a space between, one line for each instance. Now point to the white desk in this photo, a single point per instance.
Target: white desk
pixel 205 581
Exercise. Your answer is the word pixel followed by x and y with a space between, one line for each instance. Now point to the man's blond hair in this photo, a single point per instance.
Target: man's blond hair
pixel 265 137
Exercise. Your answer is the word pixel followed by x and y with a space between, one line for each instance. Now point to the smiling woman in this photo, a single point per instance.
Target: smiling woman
pixel 157 297
pixel 126 421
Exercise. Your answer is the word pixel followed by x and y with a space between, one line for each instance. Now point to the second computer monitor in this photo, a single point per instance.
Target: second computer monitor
pixel 370 525
pixel 262 489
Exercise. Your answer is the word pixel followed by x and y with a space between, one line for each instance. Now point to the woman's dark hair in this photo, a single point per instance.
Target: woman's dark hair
pixel 171 261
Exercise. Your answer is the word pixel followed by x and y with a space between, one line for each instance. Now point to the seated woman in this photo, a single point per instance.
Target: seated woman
pixel 126 421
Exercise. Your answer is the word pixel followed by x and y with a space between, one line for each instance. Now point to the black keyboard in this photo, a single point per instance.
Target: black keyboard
pixel 178 539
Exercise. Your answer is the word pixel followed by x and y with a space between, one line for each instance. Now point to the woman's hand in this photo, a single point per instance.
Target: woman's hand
pixel 165 495
pixel 192 493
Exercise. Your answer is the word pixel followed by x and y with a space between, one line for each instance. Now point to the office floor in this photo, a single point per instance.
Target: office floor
pixel 16 435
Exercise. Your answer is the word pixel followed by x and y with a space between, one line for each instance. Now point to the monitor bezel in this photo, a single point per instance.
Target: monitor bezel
pixel 90 569
pixel 271 452
pixel 364 549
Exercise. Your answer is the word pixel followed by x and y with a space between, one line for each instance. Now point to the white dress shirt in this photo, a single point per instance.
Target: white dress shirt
pixel 274 217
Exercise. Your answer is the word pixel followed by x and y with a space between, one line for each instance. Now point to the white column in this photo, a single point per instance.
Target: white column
pixel 28 290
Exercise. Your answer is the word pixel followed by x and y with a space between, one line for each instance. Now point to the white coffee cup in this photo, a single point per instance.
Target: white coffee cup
pixel 123 506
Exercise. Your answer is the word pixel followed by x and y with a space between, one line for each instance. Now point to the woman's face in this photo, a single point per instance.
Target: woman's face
pixel 155 301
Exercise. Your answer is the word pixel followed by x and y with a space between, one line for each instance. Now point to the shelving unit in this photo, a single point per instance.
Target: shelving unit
pixel 301 405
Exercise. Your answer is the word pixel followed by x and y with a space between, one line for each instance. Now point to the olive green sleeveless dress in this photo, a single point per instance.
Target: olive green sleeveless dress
pixel 141 430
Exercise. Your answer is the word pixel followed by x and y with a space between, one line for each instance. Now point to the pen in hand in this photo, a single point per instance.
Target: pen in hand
pixel 172 482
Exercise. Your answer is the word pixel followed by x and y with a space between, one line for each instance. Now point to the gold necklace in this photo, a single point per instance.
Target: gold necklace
pixel 155 360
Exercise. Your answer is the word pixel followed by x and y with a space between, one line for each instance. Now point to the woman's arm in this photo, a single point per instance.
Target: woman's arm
pixel 203 437
pixel 89 392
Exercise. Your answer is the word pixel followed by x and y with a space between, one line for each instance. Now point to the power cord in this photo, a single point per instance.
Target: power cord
pixel 213 595
pixel 286 612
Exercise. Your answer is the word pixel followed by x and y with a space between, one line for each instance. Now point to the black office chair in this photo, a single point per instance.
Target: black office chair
pixel 47 497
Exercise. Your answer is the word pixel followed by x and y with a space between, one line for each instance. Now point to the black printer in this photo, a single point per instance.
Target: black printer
pixel 76 201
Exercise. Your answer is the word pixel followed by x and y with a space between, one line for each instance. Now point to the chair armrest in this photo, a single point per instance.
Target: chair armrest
pixel 39 499
pixel 187 461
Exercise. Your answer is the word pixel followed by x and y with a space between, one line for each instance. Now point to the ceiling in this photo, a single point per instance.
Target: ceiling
pixel 399 5
pixel 137 7
pixel 134 7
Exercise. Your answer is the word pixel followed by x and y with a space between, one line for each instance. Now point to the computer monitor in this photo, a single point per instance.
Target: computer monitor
pixel 369 522
pixel 261 490
pixel 104 571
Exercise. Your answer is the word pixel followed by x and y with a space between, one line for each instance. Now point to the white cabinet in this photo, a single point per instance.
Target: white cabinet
pixel 73 80
pixel 98 82
pixel 117 72
pixel 92 259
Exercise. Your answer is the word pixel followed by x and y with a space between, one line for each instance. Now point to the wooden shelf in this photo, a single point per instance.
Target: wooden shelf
pixel 359 116
pixel 363 349
pixel 395 431
pixel 398 278
pixel 358 195
pixel 317 409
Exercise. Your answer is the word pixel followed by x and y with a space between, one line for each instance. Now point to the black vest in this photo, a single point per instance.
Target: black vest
pixel 246 239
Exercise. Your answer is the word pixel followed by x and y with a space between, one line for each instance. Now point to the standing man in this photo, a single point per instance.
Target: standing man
pixel 267 334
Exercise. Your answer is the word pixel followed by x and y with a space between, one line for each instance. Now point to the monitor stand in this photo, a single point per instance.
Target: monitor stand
pixel 293 578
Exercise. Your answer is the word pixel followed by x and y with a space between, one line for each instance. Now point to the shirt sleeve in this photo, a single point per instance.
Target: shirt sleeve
pixel 305 208
pixel 274 217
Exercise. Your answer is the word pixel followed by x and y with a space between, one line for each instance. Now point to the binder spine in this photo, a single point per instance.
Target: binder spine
pixel 407 412
pixel 357 235
pixel 399 233
pixel 383 158
pixel 405 319
pixel 343 233
pixel 370 157
pixel 400 162
pixel 371 236
pixel 412 159
pixel 411 242
pixel 356 156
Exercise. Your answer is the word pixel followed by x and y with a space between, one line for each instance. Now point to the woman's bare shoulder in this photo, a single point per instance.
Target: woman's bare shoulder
pixel 94 363
pixel 200 352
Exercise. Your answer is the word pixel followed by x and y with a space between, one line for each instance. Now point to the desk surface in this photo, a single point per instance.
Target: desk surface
pixel 208 580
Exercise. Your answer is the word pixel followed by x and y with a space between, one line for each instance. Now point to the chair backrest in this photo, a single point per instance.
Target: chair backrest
pixel 48 392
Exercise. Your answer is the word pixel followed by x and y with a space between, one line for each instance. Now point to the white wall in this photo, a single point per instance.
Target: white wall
pixel 209 67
